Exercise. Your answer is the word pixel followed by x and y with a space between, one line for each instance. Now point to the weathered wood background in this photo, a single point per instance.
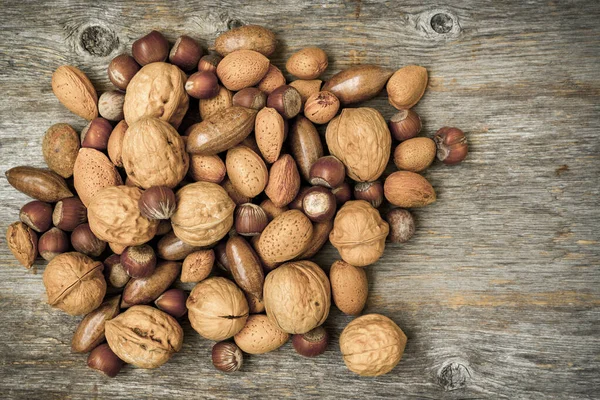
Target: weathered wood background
pixel 498 292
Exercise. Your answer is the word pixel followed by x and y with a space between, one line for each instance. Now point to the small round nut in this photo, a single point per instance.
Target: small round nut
pixel 105 361
pixel 22 241
pixel 173 302
pixel 84 241
pixel 186 53
pixel 405 124
pixel 37 215
pixel 96 134
pixel 369 191
pixel 227 357
pixel 157 202
pixel 319 204
pixel 321 107
pixel 138 261
pixel 250 219
pixel 202 85
pixel 121 70
pixel 153 47
pixel 286 100
pixel 327 171
pixel 110 105
pixel 69 213
pixel 402 225
pixel 311 343
pixel 415 154
pixel 250 97
pixel 342 193
pixel 209 63
pixel 451 144
pixel 53 243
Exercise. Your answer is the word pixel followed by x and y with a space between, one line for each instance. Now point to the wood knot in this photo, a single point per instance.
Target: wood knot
pixel 234 23
pixel 98 40
pixel 453 375
pixel 437 24
pixel 442 23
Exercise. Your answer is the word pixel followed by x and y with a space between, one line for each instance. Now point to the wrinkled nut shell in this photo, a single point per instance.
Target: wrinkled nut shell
pixel 408 189
pixel 249 37
pixel 242 68
pixel 75 91
pixel 406 87
pixel 349 287
pixel 285 237
pixel 22 242
pixel 260 336
pixel 60 147
pixel 307 63
pixel 93 172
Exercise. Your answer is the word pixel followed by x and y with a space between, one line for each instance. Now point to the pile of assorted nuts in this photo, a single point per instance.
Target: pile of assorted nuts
pixel 157 196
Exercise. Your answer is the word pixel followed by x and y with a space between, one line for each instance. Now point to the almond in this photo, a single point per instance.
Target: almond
pixel 349 287
pixel 250 37
pixel 60 147
pixel 307 63
pixel 406 87
pixel 285 237
pixel 75 91
pixel 359 83
pixel 93 171
pixel 242 68
pixel 272 80
pixel 408 189
pixel 305 145
pixel 259 335
pixel 207 168
pixel 270 130
pixel 246 170
pixel 415 154
pixel 233 193
pixel 306 88
pixel 41 184
pixel 284 181
pixel 222 101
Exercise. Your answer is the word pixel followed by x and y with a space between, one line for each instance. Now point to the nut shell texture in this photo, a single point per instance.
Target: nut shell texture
pixel 60 147
pixel 242 68
pixel 349 287
pixel 246 170
pixel 75 91
pixel 408 189
pixel 93 172
pixel 307 63
pixel 406 87
pixel 285 237
pixel 259 335
pixel 250 37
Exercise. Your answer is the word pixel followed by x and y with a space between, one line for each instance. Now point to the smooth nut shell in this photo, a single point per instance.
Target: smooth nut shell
pixel 318 239
pixel 246 170
pixel 251 98
pixel 408 189
pixel 406 87
pixel 75 91
pixel 93 172
pixel 197 265
pixel 249 37
pixel 121 70
pixel 171 248
pixel 22 242
pixel 415 154
pixel 242 68
pixel 285 237
pixel 37 215
pixel 305 145
pixel 60 147
pixel 359 83
pixel 260 336
pixel 115 143
pixel 41 184
pixel 245 266
pixel 272 80
pixel 147 289
pixel 349 287
pixel 90 331
pixel 307 63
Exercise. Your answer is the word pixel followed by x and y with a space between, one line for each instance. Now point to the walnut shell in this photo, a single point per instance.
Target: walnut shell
pixel 360 138
pixel 372 345
pixel 297 296
pixel 144 336
pixel 157 90
pixel 114 217
pixel 74 283
pixel 217 308
pixel 154 154
pixel 359 233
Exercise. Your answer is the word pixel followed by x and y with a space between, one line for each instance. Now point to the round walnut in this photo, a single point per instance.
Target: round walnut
pixel 217 308
pixel 360 138
pixel 359 233
pixel 157 90
pixel 154 154
pixel 114 217
pixel 74 283
pixel 372 345
pixel 144 336
pixel 297 296
pixel 204 213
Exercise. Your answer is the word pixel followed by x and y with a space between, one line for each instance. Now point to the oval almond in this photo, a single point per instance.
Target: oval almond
pixel 249 37
pixel 415 154
pixel 260 336
pixel 285 237
pixel 222 101
pixel 93 171
pixel 306 88
pixel 207 168
pixel 75 91
pixel 270 130
pixel 406 87
pixel 242 68
pixel 307 63
pixel 349 287
pixel 408 189
pixel 246 170
pixel 284 181
pixel 272 80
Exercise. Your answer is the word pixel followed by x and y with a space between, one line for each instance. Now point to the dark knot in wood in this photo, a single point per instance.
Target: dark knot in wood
pixel 234 23
pixel 453 376
pixel 98 40
pixel 442 23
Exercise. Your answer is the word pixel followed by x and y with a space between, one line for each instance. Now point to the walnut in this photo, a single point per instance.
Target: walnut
pixel 372 345
pixel 157 90
pixel 23 243
pixel 297 296
pixel 204 213
pixel 154 154
pixel 144 336
pixel 217 308
pixel 360 138
pixel 359 233
pixel 114 216
pixel 74 283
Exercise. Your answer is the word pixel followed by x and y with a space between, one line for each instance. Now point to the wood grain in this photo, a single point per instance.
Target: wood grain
pixel 499 290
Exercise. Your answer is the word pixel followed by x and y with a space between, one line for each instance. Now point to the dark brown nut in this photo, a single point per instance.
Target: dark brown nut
pixel 110 105
pixel 284 181
pixel 202 85
pixel 227 357
pixel 138 261
pixel 41 184
pixel 53 243
pixel 90 331
pixel 286 100
pixel 186 53
pixel 250 97
pixel 84 241
pixel 369 191
pixel 311 343
pixel 115 143
pixel 209 63
pixel 197 265
pixel 153 47
pixel 164 227
pixel 121 70
pixel 173 302
pixel 69 213
pixel 105 361
pixel 319 237
pixel 60 147
pixel 255 305
pixel 359 83
pixel 114 272
pixel 145 290
pixel 233 193
pixel 321 107
pixel 157 202
pixel 171 248
pixel 402 225
pixel 245 266
pixel 271 209
pixel 221 256
pixel 342 193
pixel 451 144
pixel 319 204
pixel 250 219
pixel 207 168
pixel 405 124
pixel 296 204
pixel 22 242
pixel 96 133
pixel 305 145
pixel 327 171
pixel 37 215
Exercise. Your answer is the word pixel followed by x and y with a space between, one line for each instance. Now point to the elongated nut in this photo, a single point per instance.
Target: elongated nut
pixel 197 265
pixel 53 243
pixel 158 202
pixel 37 215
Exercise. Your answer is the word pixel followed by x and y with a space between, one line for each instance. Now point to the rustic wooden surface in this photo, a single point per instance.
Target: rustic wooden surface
pixel 498 292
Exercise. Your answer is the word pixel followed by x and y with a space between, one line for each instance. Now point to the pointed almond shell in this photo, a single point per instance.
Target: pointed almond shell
pixel 285 237
pixel 270 131
pixel 242 68
pixel 93 171
pixel 75 91
pixel 246 170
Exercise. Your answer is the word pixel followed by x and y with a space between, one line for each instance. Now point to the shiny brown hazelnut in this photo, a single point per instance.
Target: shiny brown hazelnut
pixel 451 144
pixel 186 53
pixel 84 241
pixel 369 191
pixel 405 124
pixel 37 215
pixel 319 204
pixel 202 85
pixel 104 360
pixel 311 343
pixel 138 261
pixel 151 48
pixel 227 357
pixel 209 63
pixel 342 193
pixel 221 259
pixel 114 272
pixel 110 105
pixel 69 213
pixel 296 204
pixel 321 107
pixel 157 202
pixel 250 97
pixel 96 133
pixel 286 100
pixel 402 225
pixel 327 171
pixel 173 302
pixel 53 243
pixel 250 219
pixel 121 70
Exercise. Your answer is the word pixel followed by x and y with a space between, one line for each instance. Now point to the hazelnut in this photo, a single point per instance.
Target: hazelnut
pixel 286 100
pixel 157 202
pixel 209 63
pixel 250 219
pixel 37 215
pixel 296 204
pixel 202 85
pixel 250 97
pixel 96 133
pixel 311 343
pixel 110 105
pixel 69 213
pixel 153 47
pixel 319 204
pixel 114 272
pixel 342 193
pixel 327 171
pixel 121 70
pixel 321 107
pixel 53 243
pixel 186 53
pixel 402 225
pixel 84 241
pixel 138 261
pixel 173 302
pixel 104 360
pixel 369 191
pixel 22 242
pixel 451 144
pixel 227 357
pixel 405 124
